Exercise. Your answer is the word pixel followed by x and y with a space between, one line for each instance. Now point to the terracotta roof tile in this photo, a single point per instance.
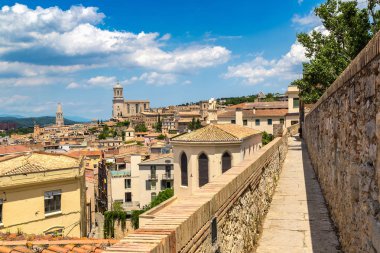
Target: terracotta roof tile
pixel 217 133
pixel 6 150
pixel 56 246
pixel 271 112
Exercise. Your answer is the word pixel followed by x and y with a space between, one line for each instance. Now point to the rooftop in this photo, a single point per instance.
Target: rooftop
pixel 5 150
pixel 217 133
pixel 262 105
pixel 35 162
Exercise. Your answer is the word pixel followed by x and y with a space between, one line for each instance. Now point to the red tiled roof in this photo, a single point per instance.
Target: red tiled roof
pixel 5 150
pixel 56 246
pixel 231 114
pixel 274 104
pixel 271 112
pixel 80 153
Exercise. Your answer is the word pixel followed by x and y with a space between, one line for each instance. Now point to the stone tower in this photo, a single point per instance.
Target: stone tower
pixel 59 116
pixel 118 101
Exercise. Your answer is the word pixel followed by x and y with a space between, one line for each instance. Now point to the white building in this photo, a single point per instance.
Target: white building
pixel 138 182
pixel 204 154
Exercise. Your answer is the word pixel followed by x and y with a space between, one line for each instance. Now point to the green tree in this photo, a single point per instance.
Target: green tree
pixel 158 126
pixel 141 127
pixel 266 138
pixel 348 30
pixel 161 197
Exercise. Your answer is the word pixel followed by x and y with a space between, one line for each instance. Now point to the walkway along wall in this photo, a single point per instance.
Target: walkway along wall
pixel 223 216
pixel 342 134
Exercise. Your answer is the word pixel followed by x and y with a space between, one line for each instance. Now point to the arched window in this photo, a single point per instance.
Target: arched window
pixel 184 179
pixel 226 162
pixel 203 169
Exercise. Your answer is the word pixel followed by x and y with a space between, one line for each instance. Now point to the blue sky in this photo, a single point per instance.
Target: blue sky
pixel 167 51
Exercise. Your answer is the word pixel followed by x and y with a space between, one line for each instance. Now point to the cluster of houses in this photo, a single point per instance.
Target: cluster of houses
pixel 65 177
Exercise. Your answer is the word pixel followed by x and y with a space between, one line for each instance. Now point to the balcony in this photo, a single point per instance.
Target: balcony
pixel 168 177
pixel 153 177
pixel 120 173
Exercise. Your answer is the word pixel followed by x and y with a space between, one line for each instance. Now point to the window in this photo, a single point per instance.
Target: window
pixel 282 121
pixel 184 179
pixel 203 169
pixel 153 172
pixel 52 201
pixel 296 102
pixel 269 121
pixel 153 195
pixel 233 121
pixel 95 166
pixel 127 183
pixel 245 122
pixel 257 122
pixel 1 211
pixel 128 197
pixel 168 170
pixel 226 162
pixel 293 122
pixel 153 185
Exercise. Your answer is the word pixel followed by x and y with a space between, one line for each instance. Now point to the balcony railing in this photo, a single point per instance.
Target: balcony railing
pixel 167 177
pixel 153 177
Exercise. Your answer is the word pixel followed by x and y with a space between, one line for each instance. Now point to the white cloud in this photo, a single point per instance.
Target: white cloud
pixel 72 36
pixel 158 78
pixel 12 100
pixel 73 85
pixel 309 20
pixel 260 69
pixel 102 81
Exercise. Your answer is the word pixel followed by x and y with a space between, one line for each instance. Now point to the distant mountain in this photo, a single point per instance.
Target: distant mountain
pixel 78 119
pixel 30 122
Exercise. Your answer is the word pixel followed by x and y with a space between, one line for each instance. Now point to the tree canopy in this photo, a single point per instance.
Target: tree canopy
pixel 347 30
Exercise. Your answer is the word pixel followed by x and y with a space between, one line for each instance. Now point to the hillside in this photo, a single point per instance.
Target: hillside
pixel 29 122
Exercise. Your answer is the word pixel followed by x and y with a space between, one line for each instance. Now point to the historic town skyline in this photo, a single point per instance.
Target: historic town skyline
pixel 169 54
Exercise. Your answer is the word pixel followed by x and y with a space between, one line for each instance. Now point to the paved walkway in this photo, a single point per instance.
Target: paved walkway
pixel 298 219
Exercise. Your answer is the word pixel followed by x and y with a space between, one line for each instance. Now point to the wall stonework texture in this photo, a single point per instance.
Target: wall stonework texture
pixel 342 136
pixel 239 225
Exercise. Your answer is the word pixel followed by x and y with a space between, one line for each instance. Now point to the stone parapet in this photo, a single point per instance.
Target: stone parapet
pixel 340 134
pixel 224 215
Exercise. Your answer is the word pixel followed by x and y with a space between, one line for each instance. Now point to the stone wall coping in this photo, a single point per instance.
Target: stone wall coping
pixel 368 53
pixel 174 226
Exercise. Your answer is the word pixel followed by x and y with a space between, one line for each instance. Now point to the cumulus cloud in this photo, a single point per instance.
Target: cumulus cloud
pixel 73 85
pixel 306 21
pixel 12 100
pixel 158 78
pixel 52 36
pixel 260 69
pixel 102 81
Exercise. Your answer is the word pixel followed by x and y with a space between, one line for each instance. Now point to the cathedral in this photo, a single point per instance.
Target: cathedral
pixel 122 108
pixel 59 116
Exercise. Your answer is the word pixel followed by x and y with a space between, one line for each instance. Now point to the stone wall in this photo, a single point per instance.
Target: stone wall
pixel 340 134
pixel 238 201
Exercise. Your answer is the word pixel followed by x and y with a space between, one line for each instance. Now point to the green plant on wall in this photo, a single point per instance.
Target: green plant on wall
pixel 161 197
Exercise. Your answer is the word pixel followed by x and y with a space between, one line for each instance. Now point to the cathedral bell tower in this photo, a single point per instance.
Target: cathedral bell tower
pixel 118 101
pixel 59 116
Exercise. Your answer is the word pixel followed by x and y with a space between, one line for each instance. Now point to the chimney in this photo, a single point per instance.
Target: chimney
pixel 239 117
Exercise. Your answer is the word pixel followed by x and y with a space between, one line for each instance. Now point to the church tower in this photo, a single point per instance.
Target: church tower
pixel 59 116
pixel 118 101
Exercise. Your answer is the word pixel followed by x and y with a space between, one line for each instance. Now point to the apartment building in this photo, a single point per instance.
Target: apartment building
pixel 42 194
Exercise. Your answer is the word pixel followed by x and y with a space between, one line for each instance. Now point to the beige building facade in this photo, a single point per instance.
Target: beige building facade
pixel 204 154
pixel 42 194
